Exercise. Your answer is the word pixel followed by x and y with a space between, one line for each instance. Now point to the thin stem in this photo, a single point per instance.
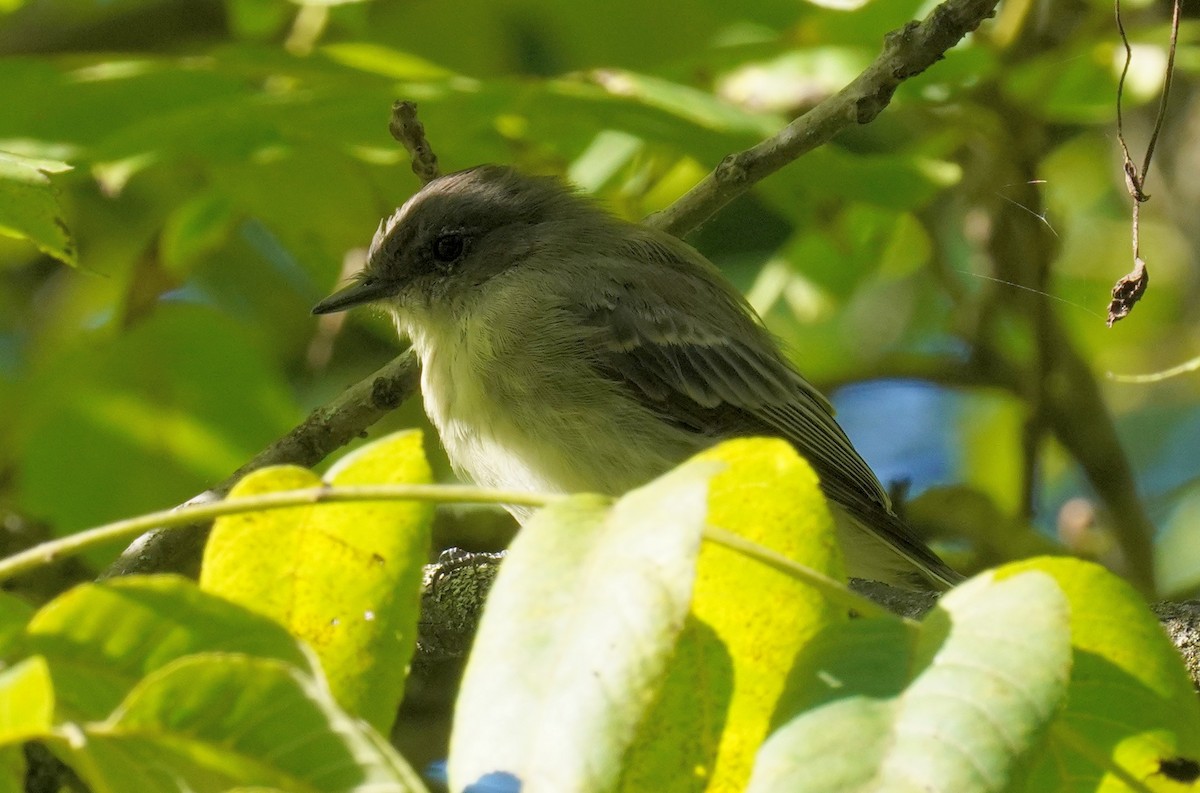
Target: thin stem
pixel 831 588
pixel 187 515
pixel 1169 75
pixel 1121 81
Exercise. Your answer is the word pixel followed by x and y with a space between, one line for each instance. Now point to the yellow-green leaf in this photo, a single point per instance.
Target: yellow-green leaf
pixel 576 635
pixel 730 671
pixel 26 700
pixel 100 639
pixel 1131 705
pixel 29 208
pixel 344 577
pixel 960 704
pixel 211 722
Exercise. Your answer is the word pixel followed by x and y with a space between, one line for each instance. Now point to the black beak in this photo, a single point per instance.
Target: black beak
pixel 359 293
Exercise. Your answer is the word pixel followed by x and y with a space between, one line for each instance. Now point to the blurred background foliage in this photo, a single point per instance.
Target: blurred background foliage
pixel 181 181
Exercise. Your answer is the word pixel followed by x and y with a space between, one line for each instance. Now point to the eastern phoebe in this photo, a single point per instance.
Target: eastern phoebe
pixel 566 350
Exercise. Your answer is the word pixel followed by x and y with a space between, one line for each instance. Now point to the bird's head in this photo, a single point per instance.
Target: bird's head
pixel 461 230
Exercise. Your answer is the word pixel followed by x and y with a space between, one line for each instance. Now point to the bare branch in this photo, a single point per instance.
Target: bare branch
pixel 326 429
pixel 907 52
pixel 458 582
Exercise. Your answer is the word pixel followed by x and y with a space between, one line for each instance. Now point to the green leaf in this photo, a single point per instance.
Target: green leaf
pixel 29 208
pixel 1131 703
pixel 685 102
pixel 257 19
pixel 730 671
pixel 210 722
pixel 576 634
pixel 14 615
pixel 603 160
pixel 989 668
pixel 389 62
pixel 151 417
pixel 896 182
pixel 345 578
pixel 1065 86
pixel 12 770
pixel 194 229
pixel 26 701
pixel 100 640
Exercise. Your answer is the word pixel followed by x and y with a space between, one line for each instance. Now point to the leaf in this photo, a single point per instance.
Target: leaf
pixel 576 634
pixel 979 688
pixel 14 615
pixel 326 2
pixel 256 19
pixel 12 770
pixel 1131 704
pixel 345 578
pixel 386 61
pixel 100 640
pixel 730 671
pixel 193 230
pixel 28 206
pixel 1078 89
pixel 210 722
pixel 26 701
pixel 153 416
pixel 685 102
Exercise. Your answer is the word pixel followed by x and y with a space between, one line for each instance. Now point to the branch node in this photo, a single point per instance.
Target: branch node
pixel 386 394
pixel 896 40
pixel 731 170
pixel 868 107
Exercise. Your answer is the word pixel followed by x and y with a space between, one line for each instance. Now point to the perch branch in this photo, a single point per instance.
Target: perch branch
pixel 326 429
pixel 456 585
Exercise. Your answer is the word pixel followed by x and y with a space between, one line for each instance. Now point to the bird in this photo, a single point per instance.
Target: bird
pixel 564 349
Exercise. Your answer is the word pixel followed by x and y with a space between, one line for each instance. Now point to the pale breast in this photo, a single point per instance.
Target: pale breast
pixel 515 413
pixel 479 438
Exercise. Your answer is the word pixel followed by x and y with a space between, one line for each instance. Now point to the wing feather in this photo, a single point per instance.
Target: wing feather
pixel 696 376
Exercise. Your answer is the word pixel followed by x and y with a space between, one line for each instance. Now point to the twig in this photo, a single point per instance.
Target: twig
pixel 1129 289
pixel 191 514
pixel 831 588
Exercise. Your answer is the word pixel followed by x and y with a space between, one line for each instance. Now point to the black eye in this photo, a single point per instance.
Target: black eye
pixel 448 247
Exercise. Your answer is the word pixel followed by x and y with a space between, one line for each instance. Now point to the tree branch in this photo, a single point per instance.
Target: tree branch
pixel 1056 382
pixel 907 52
pixel 326 429
pixel 456 585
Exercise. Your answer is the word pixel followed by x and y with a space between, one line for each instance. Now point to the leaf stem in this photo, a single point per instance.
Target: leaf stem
pixel 188 514
pixel 831 588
